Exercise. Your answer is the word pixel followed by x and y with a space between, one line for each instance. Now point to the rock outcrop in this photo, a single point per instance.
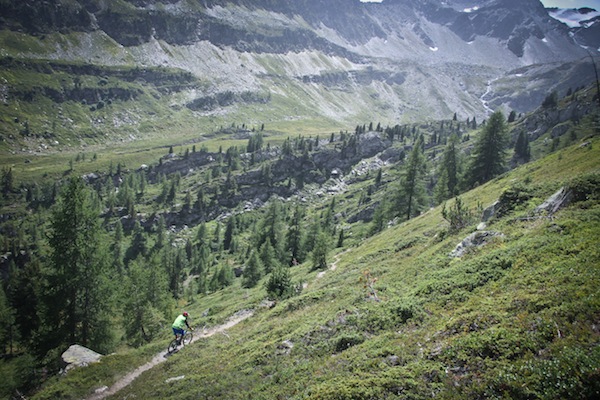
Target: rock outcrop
pixel 475 239
pixel 555 202
pixel 79 356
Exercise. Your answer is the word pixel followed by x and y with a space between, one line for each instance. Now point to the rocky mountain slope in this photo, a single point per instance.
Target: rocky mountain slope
pixel 342 60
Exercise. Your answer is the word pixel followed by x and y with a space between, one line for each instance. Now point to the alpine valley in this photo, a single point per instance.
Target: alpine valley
pixel 336 61
pixel 352 200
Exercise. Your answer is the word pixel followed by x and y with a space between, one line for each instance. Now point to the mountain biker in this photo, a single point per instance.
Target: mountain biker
pixel 179 324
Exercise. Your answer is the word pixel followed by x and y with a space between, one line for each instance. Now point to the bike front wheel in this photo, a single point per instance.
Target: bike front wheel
pixel 187 338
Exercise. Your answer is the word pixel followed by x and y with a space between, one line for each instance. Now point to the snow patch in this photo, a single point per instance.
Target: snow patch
pixel 433 49
pixel 471 9
pixel 574 18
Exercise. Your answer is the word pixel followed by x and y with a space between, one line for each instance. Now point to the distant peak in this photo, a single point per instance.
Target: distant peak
pixel 572 17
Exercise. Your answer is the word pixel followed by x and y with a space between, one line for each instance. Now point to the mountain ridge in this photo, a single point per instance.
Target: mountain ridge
pixel 445 55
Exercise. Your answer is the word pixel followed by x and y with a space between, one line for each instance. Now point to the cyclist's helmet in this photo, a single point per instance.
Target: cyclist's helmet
pixel 185 314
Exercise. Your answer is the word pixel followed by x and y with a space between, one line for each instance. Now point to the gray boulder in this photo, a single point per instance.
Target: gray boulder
pixel 79 356
pixel 475 239
pixel 555 202
pixel 490 211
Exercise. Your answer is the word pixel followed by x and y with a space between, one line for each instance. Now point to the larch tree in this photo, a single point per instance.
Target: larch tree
pixel 253 271
pixel 272 227
pixel 76 294
pixel 449 171
pixel 231 231
pixel 522 149
pixel 320 250
pixel 267 256
pixel 411 193
pixel 7 321
pixel 145 301
pixel 296 237
pixel 489 154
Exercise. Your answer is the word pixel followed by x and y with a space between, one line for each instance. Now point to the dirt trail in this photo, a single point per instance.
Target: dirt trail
pixel 332 267
pixel 162 356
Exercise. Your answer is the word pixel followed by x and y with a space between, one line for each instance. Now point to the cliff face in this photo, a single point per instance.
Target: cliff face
pixel 279 27
pixel 399 60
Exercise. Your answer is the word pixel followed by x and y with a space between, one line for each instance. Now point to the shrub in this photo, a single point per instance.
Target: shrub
pixel 280 285
pixel 512 197
pixel 586 187
pixel 551 100
pixel 458 215
pixel 347 340
pixel 571 373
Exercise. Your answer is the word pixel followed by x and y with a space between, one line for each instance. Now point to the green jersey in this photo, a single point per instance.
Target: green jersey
pixel 180 322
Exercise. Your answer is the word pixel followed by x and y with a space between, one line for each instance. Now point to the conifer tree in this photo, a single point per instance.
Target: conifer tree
pixel 222 278
pixel 75 294
pixel 230 232
pixel 268 257
pixel 312 234
pixel 23 291
pixel 327 218
pixel 522 150
pixel 271 227
pixel 139 245
pixel 201 267
pixel 340 242
pixel 7 321
pixel 7 180
pixel 379 215
pixel 279 285
pixel 410 196
pixel 117 248
pixel 253 271
pixel 295 237
pixel 145 302
pixel 319 253
pixel 448 172
pixel 378 177
pixel 488 158
pixel 216 243
pixel 551 100
pixel 200 203
pixel 202 234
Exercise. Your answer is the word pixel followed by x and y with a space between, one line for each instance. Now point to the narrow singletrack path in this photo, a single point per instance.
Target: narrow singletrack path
pixel 332 267
pixel 162 356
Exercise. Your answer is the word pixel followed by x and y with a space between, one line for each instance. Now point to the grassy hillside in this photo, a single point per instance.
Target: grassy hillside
pixel 395 316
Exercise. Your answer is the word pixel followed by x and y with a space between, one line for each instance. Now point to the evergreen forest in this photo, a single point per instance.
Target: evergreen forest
pixel 342 245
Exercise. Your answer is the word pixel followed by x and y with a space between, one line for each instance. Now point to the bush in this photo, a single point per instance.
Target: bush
pixel 458 215
pixel 551 100
pixel 347 340
pixel 378 317
pixel 18 375
pixel 586 187
pixel 512 197
pixel 571 373
pixel 279 285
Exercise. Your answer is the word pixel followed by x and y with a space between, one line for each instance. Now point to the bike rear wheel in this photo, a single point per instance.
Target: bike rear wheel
pixel 187 338
pixel 172 346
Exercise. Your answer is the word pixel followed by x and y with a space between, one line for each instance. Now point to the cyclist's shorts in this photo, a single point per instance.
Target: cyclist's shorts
pixel 178 331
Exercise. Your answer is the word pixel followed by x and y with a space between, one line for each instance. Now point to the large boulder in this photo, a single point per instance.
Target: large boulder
pixel 490 211
pixel 79 356
pixel 555 202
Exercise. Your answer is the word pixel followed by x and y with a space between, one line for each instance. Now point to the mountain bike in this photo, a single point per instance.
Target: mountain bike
pixel 182 341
